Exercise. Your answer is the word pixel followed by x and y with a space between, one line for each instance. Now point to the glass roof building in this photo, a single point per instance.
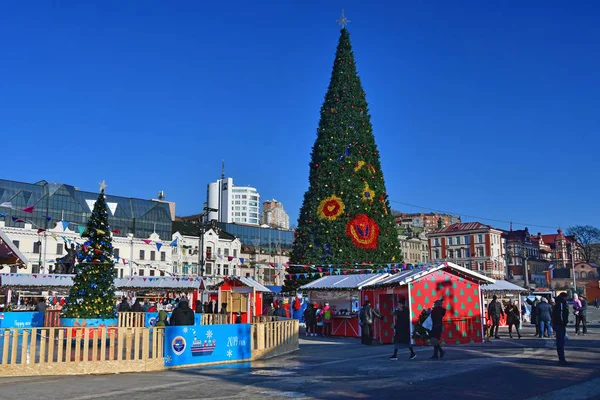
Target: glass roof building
pixel 55 202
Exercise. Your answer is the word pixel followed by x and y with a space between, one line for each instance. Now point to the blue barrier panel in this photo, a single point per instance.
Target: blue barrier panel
pixel 189 345
pixel 152 317
pixel 21 319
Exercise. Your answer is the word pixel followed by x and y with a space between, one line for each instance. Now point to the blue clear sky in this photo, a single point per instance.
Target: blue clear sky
pixel 483 108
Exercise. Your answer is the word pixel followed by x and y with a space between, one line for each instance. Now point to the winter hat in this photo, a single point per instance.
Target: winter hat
pixel 544 300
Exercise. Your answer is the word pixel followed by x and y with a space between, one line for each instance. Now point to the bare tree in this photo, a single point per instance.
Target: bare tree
pixel 589 238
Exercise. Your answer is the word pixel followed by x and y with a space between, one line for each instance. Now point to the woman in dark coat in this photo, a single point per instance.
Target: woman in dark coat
pixel 402 331
pixel 437 314
pixel 310 320
pixel 182 314
pixel 513 318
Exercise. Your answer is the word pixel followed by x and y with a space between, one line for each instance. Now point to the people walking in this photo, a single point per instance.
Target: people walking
pixel 513 318
pixel 544 316
pixel 402 331
pixel 597 302
pixel 495 311
pixel 581 317
pixel 560 320
pixel 437 315
pixel 367 316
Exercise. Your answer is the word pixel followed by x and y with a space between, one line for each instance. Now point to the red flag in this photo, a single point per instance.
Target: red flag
pixel 116 231
pixel 28 210
pixel 147 241
pixel 40 231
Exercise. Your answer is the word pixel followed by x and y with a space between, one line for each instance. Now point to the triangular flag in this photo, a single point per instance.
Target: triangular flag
pixel 242 260
pixel 116 231
pixel 2 214
pixel 229 258
pixel 15 219
pixel 28 210
pixel 40 231
pixel 174 242
pixel 48 218
pixel 65 224
pixel 158 246
pixel 147 241
pixel 81 229
pixel 6 204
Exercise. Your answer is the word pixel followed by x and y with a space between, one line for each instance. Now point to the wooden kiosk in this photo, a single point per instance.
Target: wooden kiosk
pixel 243 295
pixel 342 292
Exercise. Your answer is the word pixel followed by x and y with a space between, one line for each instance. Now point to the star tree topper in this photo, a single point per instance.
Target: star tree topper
pixel 343 21
pixel 103 186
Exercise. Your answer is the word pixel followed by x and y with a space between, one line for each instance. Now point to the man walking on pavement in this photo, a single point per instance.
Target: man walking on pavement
pixel 560 319
pixel 495 311
pixel 367 315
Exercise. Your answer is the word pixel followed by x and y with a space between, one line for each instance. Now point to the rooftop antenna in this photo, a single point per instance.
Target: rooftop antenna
pixel 223 169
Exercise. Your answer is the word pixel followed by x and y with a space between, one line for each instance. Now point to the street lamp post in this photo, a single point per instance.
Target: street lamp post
pixel 202 224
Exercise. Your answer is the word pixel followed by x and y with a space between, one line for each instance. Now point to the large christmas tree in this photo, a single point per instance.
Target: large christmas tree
pixel 345 220
pixel 93 292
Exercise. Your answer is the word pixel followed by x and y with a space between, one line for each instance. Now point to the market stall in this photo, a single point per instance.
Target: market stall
pixel 505 291
pixel 10 257
pixel 342 292
pixel 458 287
pixel 243 295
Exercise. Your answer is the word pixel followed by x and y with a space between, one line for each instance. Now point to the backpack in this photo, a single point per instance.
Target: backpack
pixel 319 317
pixel 327 315
pixel 297 304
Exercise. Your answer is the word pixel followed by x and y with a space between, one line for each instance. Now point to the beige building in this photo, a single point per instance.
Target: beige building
pixel 415 247
pixel 274 215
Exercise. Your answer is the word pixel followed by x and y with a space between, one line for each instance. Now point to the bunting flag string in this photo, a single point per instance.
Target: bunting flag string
pixel 158 246
pixel 65 225
pixel 147 241
pixel 174 242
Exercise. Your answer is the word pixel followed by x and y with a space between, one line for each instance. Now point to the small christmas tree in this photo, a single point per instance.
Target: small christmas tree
pixel 93 292
pixel 345 217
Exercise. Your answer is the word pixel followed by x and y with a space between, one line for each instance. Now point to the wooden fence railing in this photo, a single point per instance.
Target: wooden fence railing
pixel 270 339
pixel 268 318
pixel 132 319
pixel 58 351
pixel 214 319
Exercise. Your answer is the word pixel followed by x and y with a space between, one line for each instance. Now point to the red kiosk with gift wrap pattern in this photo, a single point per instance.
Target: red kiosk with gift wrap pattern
pixel 458 287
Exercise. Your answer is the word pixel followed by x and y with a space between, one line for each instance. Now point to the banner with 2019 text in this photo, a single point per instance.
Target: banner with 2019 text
pixel 198 344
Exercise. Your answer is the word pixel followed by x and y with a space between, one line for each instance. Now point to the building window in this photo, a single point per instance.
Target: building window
pixel 142 254
pixel 225 270
pixel 226 253
pixel 450 241
pixel 120 272
pixel 116 253
pixel 480 238
pixel 235 253
pixel 141 273
pixel 436 254
pixel 209 253
pixel 480 251
pixel 151 272
pixel 16 243
pixel 162 273
pixel 152 255
pixel 208 268
pixel 450 254
pixel 436 242
pixel 35 269
pixel 458 240
pixel 59 249
pixel 218 269
pixel 163 256
pixel 480 265
pixel 457 253
pixel 467 240
pixel 37 246
pixel 583 275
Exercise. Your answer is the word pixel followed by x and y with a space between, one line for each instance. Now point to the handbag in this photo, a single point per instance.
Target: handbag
pixel 428 323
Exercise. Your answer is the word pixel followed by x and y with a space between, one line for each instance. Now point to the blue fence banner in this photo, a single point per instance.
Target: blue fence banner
pixel 21 319
pixel 189 345
pixel 152 317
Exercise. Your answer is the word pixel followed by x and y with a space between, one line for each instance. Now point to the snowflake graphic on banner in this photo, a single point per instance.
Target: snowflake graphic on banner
pixel 168 359
pixel 209 334
pixel 185 330
pixel 229 353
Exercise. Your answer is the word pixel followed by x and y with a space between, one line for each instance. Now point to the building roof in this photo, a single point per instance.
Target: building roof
pixel 502 286
pixel 128 282
pixel 405 277
pixel 9 253
pixel 461 227
pixel 343 282
pixel 247 282
pixel 189 229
